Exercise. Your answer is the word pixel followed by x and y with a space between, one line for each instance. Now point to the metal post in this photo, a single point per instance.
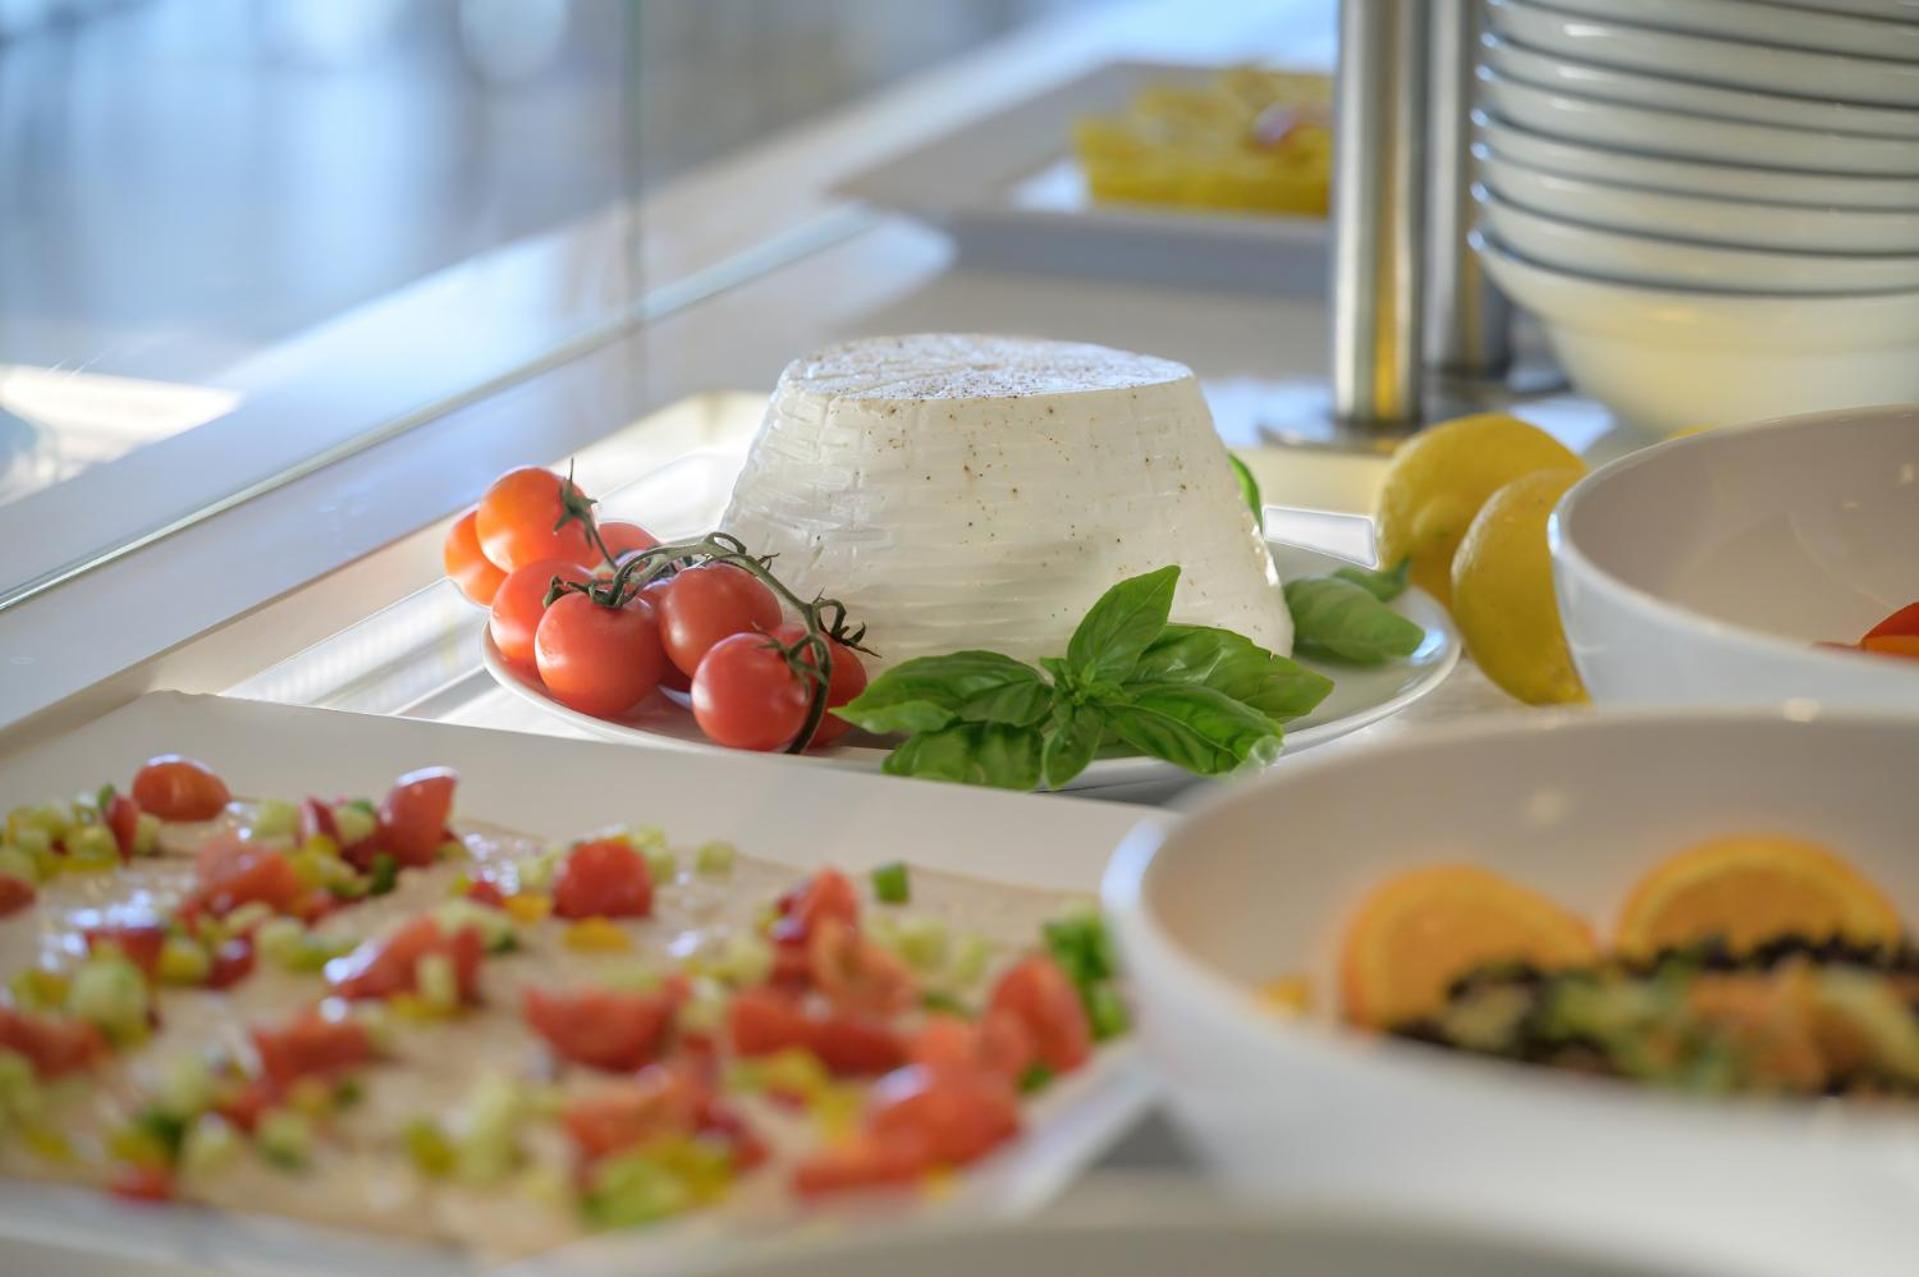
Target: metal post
pixel 1379 163
pixel 1467 322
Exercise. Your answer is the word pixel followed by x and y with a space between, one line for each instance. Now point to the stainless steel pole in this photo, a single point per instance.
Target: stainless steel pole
pixel 1379 173
pixel 1467 322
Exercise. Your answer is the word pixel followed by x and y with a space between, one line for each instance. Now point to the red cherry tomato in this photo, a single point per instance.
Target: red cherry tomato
pixel 520 604
pixel 746 696
pixel 176 788
pixel 382 968
pixel 1904 621
pixel 623 538
pixel 847 681
pixel 603 879
pixel 599 660
pixel 672 676
pixel 856 974
pixel 466 563
pixel 708 603
pixel 122 816
pixel 658 1101
pixel 615 1030
pixel 414 813
pixel 1037 993
pixel 517 521
pixel 957 1115
pixel 139 941
pixel 55 1045
pixel 311 1044
pixel 762 1021
pixel 862 1163
pixel 141 1183
pixel 15 894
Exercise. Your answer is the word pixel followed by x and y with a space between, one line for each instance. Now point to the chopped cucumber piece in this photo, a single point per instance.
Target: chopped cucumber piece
pixel 16 863
pixel 284 1138
pixel 631 1190
pixel 275 818
pixel 437 981
pixel 92 847
pixel 891 884
pixel 354 823
pixel 715 859
pixel 110 993
pixel 210 1147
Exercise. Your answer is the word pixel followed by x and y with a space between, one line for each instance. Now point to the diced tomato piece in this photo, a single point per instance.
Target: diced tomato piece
pixel 15 894
pixel 762 1021
pixel 316 820
pixel 141 1183
pixel 54 1045
pixel 233 872
pixel 123 818
pixel 176 788
pixel 864 1163
pixel 959 1115
pixel 312 1044
pixel 1006 1046
pixel 232 963
pixel 827 894
pixel 856 974
pixel 481 891
pixel 748 1149
pixel 382 968
pixel 1038 994
pixel 603 879
pixel 1904 621
pixel 605 1028
pixel 414 814
pixel 139 941
pixel 998 1044
pixel 244 1105
pixel 658 1101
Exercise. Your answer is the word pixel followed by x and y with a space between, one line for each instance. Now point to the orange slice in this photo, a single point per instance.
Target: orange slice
pixel 1749 889
pixel 1418 932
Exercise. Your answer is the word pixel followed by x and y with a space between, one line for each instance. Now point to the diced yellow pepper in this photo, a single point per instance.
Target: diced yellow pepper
pixel 1290 995
pixel 597 935
pixel 529 907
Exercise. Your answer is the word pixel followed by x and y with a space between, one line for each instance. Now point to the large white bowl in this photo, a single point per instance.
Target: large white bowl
pixel 1673 360
pixel 1742 20
pixel 1655 131
pixel 1737 223
pixel 1666 263
pixel 1694 177
pixel 1587 79
pixel 1257 884
pixel 1705 60
pixel 1704 570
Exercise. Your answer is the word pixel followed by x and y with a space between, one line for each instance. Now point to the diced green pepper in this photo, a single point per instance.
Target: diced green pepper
pixel 1107 1012
pixel 631 1190
pixel 385 875
pixel 891 885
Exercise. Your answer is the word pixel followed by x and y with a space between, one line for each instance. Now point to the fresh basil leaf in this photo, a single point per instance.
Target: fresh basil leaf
pixel 1232 663
pixel 931 692
pixel 996 754
pixel 1194 727
pixel 1249 490
pixel 1384 585
pixel 1341 621
pixel 1071 740
pixel 1117 628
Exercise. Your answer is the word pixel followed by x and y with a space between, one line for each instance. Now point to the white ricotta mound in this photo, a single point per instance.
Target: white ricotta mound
pixel 960 491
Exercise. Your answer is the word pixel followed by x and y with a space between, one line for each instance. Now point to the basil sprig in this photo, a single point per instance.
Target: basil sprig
pixel 1208 700
pixel 1344 617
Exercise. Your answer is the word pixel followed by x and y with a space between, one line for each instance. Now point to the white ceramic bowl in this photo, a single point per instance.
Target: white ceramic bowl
pixel 1257 883
pixel 1666 263
pixel 1742 20
pixel 1703 571
pixel 1737 223
pixel 1673 360
pixel 1648 129
pixel 1899 10
pixel 1694 177
pixel 1705 60
pixel 1585 79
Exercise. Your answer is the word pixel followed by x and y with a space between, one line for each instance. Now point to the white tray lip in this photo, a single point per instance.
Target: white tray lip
pixel 948 181
pixel 1070 1128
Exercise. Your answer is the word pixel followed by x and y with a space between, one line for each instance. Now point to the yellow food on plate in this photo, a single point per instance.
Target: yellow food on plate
pixel 1440 478
pixel 1249 140
pixel 1749 889
pixel 1418 932
pixel 1503 592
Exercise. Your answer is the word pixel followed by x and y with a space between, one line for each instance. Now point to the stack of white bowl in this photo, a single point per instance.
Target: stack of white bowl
pixel 1711 205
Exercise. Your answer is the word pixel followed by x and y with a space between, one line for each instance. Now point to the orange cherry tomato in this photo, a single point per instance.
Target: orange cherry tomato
pixel 596 659
pixel 176 788
pixel 521 602
pixel 467 565
pixel 1904 621
pixel 518 520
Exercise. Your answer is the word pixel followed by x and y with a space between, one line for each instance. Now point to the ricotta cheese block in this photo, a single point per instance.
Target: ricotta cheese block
pixel 961 491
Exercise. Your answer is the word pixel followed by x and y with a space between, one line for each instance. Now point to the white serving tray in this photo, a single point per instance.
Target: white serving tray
pixel 1009 192
pixel 805 816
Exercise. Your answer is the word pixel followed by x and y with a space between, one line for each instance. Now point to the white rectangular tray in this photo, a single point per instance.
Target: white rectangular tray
pixel 1008 191
pixel 806 816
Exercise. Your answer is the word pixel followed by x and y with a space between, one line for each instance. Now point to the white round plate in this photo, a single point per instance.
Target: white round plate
pixel 1361 695
pixel 1738 20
